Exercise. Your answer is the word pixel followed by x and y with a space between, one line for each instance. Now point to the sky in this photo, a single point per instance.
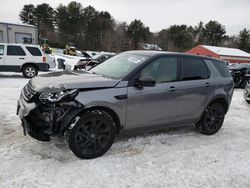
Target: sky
pixel 157 14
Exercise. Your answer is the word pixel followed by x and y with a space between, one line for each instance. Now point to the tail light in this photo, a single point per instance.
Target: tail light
pixel 44 59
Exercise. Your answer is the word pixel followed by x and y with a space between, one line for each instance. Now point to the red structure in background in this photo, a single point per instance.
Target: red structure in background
pixel 231 55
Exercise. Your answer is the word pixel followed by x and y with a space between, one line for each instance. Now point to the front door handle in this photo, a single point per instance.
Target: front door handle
pixel 21 58
pixel 172 88
pixel 207 84
pixel 0 57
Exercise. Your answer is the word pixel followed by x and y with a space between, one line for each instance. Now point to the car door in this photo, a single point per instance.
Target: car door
pixel 15 56
pixel 158 104
pixel 2 55
pixel 196 87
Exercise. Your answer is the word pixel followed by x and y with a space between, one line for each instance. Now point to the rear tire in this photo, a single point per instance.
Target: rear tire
pixel 92 135
pixel 212 119
pixel 29 71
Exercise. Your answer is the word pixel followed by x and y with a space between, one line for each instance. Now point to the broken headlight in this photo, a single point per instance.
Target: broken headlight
pixel 58 96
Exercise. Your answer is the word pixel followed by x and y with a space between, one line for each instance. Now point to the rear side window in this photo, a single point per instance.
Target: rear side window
pixel 34 51
pixel 15 50
pixel 1 49
pixel 221 67
pixel 193 69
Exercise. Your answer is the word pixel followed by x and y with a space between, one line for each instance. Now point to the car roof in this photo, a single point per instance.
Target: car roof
pixel 21 44
pixel 151 53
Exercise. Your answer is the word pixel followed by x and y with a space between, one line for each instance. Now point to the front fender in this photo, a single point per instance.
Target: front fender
pixel 106 98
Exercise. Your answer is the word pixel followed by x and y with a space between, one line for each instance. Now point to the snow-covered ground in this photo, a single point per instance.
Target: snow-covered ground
pixel 179 157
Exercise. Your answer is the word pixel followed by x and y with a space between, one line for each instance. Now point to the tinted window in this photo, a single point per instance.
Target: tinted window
pixel 15 50
pixel 193 69
pixel 161 70
pixel 1 49
pixel 222 68
pixel 34 51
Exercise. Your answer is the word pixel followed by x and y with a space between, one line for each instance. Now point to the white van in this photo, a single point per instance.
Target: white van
pixel 25 58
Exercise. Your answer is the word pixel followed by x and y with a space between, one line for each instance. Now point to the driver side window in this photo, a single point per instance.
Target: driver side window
pixel 161 70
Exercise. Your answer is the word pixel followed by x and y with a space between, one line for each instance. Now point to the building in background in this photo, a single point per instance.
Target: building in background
pixel 18 33
pixel 231 55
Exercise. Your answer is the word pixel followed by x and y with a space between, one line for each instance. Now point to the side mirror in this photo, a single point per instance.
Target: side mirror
pixel 145 82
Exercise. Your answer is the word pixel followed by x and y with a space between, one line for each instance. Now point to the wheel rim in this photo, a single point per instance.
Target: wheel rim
pixel 214 118
pixel 30 72
pixel 93 136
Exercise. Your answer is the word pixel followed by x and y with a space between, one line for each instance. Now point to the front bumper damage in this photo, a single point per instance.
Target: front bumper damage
pixel 41 121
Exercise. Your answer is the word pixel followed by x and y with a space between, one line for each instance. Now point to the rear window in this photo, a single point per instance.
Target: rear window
pixel 34 51
pixel 222 68
pixel 1 49
pixel 193 69
pixel 15 50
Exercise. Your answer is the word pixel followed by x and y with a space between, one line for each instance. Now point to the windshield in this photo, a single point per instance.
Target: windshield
pixel 119 66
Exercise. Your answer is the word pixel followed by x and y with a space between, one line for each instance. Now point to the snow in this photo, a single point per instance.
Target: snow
pixel 227 51
pixel 17 23
pixel 178 157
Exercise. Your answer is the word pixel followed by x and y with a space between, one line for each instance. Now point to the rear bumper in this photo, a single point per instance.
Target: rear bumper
pixel 43 66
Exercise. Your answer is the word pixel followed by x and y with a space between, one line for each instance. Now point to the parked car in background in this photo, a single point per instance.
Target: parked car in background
pixel 135 90
pixel 89 63
pixel 239 74
pixel 92 53
pixel 70 50
pixel 85 54
pixel 25 58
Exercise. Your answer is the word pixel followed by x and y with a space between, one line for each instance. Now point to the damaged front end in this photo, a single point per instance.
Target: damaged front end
pixel 46 114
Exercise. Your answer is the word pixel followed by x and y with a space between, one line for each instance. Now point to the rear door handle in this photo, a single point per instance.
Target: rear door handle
pixel 172 88
pixel 0 57
pixel 21 58
pixel 207 84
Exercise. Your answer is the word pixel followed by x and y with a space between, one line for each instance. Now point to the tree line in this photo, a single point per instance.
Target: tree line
pixel 89 29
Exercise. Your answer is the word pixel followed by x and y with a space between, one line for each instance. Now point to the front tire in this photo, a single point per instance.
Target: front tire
pixel 212 119
pixel 92 135
pixel 29 71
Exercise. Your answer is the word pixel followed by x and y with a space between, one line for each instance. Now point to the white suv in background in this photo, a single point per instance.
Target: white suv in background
pixel 25 58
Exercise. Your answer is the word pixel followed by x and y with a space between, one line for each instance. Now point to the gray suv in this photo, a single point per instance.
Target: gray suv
pixel 134 90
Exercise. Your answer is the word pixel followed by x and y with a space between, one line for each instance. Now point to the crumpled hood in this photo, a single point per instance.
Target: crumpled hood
pixel 58 81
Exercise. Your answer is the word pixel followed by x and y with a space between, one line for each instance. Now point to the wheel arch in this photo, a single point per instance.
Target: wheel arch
pixel 221 99
pixel 29 63
pixel 72 114
pixel 110 112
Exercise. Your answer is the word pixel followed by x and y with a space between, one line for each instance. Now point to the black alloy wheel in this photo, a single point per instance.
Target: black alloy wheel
pixel 92 135
pixel 212 119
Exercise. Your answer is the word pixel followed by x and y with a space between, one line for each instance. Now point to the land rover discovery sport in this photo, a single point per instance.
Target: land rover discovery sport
pixel 134 90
